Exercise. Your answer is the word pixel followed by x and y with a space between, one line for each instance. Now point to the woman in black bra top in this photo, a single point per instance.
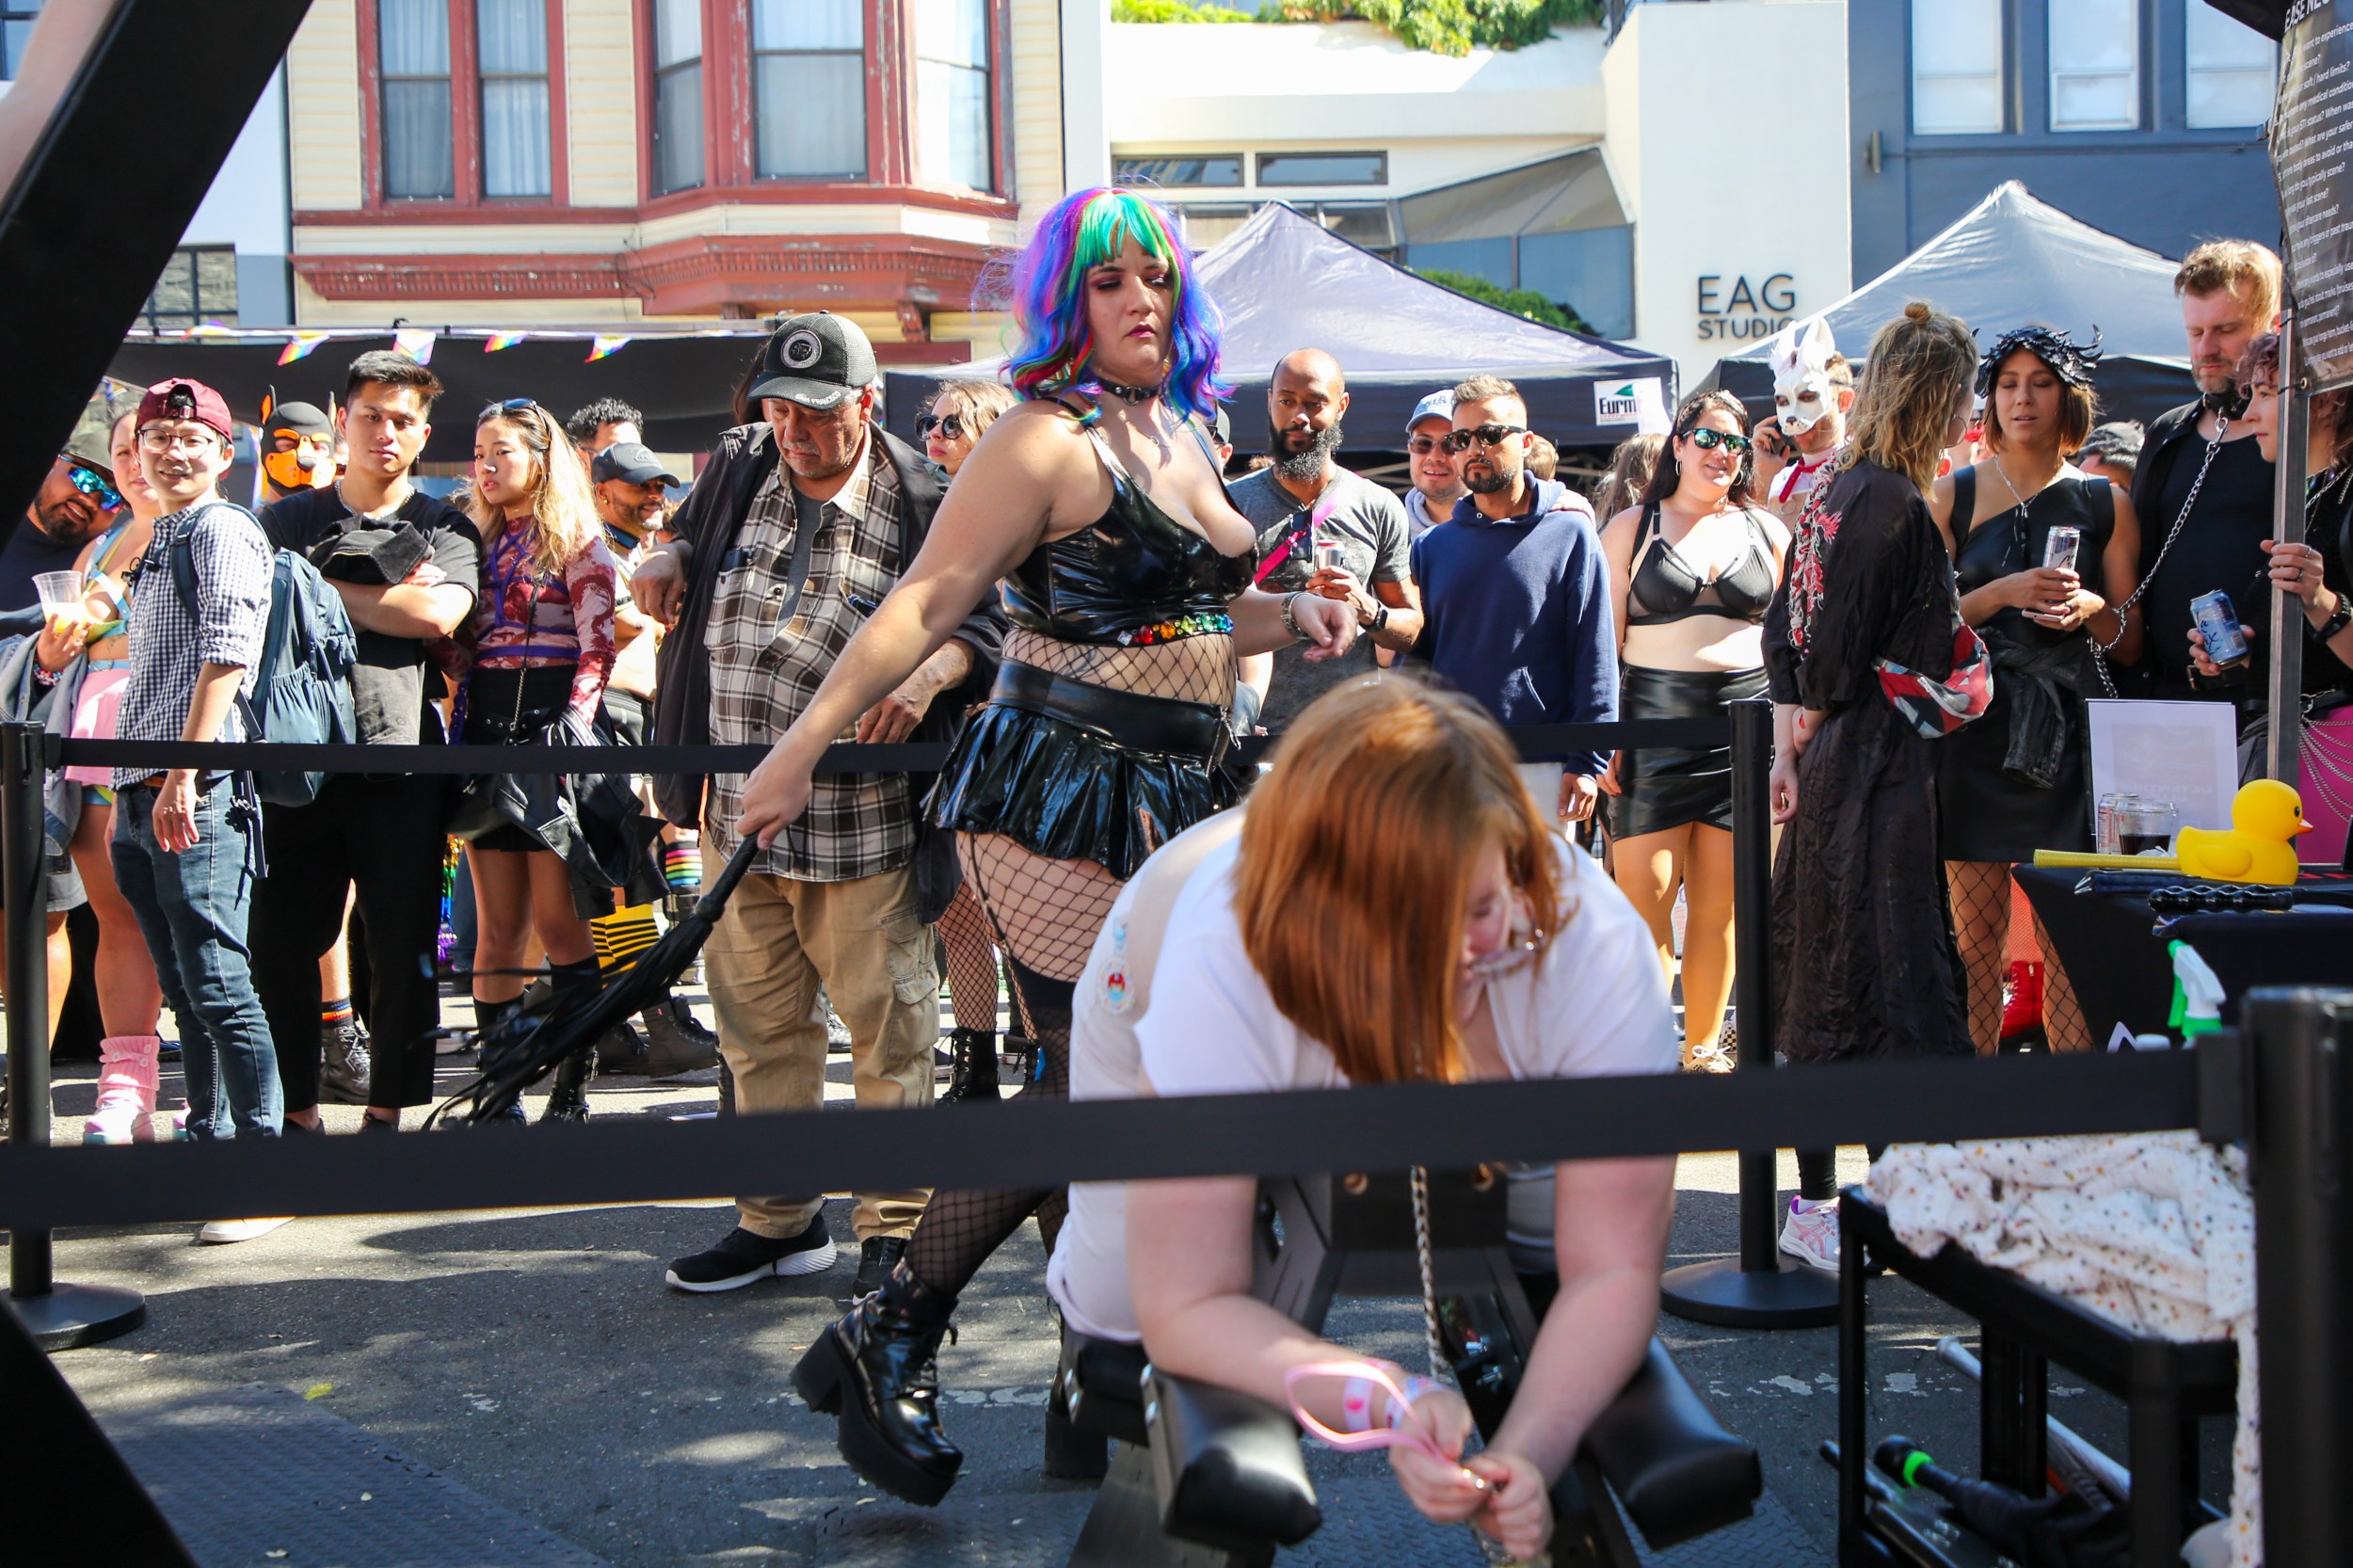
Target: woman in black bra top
pixel 2016 780
pixel 1126 577
pixel 1693 565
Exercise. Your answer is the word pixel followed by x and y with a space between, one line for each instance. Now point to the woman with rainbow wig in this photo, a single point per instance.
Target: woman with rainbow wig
pixel 1126 575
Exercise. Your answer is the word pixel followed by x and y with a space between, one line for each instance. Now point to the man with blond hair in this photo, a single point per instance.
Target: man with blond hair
pixel 2202 490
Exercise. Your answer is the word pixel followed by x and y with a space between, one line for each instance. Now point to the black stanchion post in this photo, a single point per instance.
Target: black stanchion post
pixel 1762 1289
pixel 59 1316
pixel 2303 1267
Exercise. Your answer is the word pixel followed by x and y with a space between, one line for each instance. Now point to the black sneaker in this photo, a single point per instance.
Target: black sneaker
pixel 876 1256
pixel 743 1257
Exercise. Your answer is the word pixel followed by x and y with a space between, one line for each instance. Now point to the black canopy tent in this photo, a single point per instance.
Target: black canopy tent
pixel 684 378
pixel 2009 260
pixel 1284 282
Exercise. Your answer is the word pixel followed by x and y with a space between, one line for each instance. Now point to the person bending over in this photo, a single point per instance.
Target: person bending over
pixel 1388 794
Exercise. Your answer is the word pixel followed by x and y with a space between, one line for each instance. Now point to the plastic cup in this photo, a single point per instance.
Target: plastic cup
pixel 62 592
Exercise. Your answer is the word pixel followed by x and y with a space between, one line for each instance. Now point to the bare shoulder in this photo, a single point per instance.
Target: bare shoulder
pixel 1618 533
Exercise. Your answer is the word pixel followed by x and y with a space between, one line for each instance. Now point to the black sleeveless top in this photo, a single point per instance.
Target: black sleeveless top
pixel 1135 576
pixel 2009 542
pixel 1664 588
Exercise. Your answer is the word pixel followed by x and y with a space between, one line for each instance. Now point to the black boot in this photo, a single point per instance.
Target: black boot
pixel 575 986
pixel 490 1021
pixel 675 1042
pixel 1070 1454
pixel 972 1066
pixel 876 1368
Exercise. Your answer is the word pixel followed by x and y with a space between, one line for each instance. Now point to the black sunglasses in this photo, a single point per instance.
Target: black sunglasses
pixel 1486 436
pixel 950 426
pixel 1708 440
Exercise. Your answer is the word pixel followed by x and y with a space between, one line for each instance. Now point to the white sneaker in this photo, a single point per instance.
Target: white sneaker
pixel 221 1232
pixel 1810 1234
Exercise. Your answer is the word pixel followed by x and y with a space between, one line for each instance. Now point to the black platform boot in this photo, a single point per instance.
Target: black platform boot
pixel 972 1066
pixel 876 1369
pixel 575 986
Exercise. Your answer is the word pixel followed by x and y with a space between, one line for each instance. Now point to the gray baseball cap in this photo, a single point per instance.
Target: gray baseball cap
pixel 815 360
pixel 1438 405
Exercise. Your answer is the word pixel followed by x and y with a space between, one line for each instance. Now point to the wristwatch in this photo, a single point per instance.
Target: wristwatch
pixel 1380 618
pixel 2337 622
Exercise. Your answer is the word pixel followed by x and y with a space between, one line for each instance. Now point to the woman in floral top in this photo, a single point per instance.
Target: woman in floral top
pixel 543 648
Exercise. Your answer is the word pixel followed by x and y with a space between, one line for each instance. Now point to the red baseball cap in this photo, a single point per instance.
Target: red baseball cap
pixel 181 398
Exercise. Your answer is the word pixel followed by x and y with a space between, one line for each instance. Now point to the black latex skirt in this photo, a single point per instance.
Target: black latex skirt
pixel 1664 787
pixel 1073 772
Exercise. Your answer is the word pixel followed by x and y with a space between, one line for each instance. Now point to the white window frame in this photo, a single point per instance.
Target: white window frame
pixel 1992 17
pixel 2064 71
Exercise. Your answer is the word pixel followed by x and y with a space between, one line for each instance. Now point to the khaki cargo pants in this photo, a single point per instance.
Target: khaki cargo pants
pixel 777 941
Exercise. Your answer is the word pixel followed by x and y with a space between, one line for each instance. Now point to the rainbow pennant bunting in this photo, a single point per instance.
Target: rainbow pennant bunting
pixel 300 345
pixel 497 341
pixel 415 342
pixel 605 344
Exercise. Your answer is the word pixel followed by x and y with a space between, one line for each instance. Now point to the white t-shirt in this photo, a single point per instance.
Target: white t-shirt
pixel 1593 1004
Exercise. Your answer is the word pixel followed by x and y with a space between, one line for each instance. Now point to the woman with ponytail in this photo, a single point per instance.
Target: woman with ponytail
pixel 1126 574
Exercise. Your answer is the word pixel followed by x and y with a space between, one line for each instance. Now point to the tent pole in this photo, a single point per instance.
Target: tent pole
pixel 2284 692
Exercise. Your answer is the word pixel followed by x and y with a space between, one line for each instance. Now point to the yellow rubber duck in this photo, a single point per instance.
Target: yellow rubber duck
pixel 2266 818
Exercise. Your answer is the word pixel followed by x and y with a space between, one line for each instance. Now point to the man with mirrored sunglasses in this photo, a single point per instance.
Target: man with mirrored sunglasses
pixel 1515 594
pixel 75 504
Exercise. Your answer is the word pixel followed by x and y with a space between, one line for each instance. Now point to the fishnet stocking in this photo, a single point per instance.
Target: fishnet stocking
pixel 960 1230
pixel 1191 669
pixel 971 961
pixel 2063 1021
pixel 1981 894
pixel 1045 912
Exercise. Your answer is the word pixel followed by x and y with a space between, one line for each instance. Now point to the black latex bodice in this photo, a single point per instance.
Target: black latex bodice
pixel 1134 567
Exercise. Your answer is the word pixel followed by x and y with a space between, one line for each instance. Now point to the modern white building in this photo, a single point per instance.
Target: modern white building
pixel 1628 177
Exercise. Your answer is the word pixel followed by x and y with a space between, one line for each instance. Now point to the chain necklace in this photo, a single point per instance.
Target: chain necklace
pixel 2024 502
pixel 2205 466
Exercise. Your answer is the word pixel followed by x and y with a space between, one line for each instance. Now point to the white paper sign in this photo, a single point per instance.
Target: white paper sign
pixel 1627 402
pixel 2181 752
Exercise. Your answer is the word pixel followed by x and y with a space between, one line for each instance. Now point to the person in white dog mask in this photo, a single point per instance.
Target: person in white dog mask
pixel 1813 388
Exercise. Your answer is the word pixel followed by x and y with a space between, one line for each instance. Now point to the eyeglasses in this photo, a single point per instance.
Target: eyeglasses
pixel 1486 436
pixel 950 426
pixel 1422 447
pixel 158 440
pixel 1708 440
pixel 97 487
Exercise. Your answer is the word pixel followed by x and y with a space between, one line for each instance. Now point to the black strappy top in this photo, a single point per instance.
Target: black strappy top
pixel 1135 576
pixel 1665 589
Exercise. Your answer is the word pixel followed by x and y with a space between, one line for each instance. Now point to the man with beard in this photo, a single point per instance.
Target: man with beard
pixel 74 504
pixel 2202 490
pixel 1325 530
pixel 1520 613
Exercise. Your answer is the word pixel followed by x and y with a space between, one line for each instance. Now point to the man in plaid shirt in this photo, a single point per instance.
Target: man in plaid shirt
pixel 793 537
pixel 184 841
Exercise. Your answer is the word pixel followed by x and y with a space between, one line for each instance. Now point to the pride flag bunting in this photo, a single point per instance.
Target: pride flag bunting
pixel 415 342
pixel 605 344
pixel 300 345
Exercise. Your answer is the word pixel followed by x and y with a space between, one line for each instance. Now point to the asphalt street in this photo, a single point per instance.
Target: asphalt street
pixel 534 1359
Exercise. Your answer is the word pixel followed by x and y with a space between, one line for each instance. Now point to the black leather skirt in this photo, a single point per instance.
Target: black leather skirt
pixel 1664 787
pixel 1072 771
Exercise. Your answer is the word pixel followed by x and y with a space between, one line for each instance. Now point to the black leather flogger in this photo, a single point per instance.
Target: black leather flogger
pixel 877 1370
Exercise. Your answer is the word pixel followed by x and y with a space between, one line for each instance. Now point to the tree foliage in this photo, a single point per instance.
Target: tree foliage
pixel 1520 302
pixel 1452 26
pixel 1175 11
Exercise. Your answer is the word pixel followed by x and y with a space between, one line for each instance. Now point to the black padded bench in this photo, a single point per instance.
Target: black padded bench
pixel 1208 1477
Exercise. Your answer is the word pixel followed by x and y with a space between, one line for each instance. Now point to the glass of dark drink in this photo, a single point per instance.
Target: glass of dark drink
pixel 2146 827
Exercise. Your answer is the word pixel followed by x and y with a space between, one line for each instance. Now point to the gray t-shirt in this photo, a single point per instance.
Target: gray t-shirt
pixel 1369 525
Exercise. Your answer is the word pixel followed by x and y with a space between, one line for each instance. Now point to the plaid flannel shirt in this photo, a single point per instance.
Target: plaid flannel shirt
pixel 170 647
pixel 762 675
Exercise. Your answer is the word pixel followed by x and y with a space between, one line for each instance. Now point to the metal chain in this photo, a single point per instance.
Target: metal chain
pixel 1441 1367
pixel 2101 649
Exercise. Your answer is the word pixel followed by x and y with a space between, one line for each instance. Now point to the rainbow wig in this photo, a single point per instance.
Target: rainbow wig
pixel 1081 232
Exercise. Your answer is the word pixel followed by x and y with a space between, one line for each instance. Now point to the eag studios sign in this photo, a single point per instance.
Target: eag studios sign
pixel 1733 308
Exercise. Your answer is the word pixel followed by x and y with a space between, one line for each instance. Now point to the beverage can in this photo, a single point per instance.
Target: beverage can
pixel 2060 547
pixel 1330 555
pixel 2218 623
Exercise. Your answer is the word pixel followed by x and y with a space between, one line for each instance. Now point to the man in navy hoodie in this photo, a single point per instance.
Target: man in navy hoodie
pixel 1515 594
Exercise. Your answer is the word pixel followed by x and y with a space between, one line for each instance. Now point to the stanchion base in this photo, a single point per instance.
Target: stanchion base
pixel 74 1315
pixel 1724 1295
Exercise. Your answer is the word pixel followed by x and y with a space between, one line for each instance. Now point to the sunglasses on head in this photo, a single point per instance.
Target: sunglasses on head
pixel 1708 440
pixel 1486 436
pixel 950 426
pixel 97 487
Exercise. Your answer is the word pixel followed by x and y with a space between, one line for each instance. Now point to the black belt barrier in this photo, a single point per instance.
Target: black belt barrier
pixel 1371 1127
pixel 1536 743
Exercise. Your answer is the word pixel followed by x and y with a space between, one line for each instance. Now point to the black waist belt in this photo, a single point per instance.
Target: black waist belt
pixel 1129 720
